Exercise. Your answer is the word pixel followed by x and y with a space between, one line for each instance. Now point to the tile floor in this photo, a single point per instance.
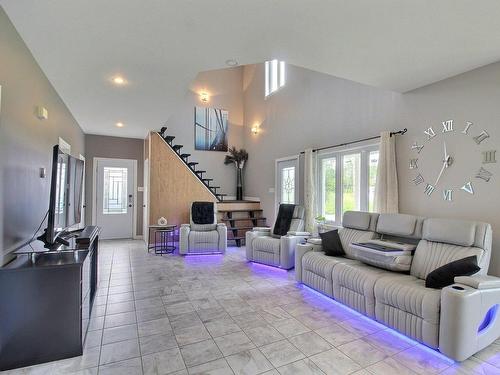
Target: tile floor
pixel 221 315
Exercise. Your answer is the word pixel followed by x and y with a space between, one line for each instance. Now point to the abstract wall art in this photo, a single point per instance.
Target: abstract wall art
pixel 210 129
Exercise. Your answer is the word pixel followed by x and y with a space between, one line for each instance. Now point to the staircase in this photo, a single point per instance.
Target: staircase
pixel 169 139
pixel 240 217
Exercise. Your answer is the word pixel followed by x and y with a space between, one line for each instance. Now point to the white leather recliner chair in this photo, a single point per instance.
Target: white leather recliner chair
pixel 262 246
pixel 203 238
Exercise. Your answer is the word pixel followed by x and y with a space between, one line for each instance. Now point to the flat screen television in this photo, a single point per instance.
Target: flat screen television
pixel 66 189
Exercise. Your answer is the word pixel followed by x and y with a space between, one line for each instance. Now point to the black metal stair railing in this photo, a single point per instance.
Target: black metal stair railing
pixel 191 164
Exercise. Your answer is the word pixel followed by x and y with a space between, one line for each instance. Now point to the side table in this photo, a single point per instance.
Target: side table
pixel 163 241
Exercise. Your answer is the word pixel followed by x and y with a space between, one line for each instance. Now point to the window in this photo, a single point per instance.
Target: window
pixel 354 172
pixel 288 185
pixel 115 191
pixel 275 76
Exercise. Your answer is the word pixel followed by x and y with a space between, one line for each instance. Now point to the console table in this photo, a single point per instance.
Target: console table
pixel 46 301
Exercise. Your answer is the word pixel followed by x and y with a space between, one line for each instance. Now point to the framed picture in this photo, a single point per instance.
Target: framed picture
pixel 210 129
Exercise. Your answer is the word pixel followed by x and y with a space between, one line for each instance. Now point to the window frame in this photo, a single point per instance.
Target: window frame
pixel 339 155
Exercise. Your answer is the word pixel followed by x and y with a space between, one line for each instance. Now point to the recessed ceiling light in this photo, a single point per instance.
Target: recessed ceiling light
pixel 119 80
pixel 231 62
pixel 119 124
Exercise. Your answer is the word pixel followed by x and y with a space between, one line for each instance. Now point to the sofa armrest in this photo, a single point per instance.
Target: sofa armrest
pixel 479 281
pixel 184 238
pixel 250 236
pixel 300 251
pixel 295 233
pixel 222 230
pixel 288 244
pixel 468 320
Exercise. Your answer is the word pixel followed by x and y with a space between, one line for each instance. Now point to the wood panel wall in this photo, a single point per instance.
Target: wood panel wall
pixel 172 186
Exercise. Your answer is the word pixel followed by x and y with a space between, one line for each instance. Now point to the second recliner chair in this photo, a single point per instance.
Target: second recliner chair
pixel 266 247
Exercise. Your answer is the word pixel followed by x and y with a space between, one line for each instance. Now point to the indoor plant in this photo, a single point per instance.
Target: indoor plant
pixel 238 157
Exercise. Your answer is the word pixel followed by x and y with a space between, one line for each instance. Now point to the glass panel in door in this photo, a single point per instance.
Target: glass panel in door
pixel 288 185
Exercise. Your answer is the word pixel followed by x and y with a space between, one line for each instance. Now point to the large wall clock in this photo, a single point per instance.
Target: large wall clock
pixel 437 140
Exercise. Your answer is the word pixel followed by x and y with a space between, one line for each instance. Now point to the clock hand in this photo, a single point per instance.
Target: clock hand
pixel 441 172
pixel 445 153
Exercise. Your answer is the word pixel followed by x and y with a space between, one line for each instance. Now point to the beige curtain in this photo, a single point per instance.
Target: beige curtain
pixel 310 189
pixel 386 188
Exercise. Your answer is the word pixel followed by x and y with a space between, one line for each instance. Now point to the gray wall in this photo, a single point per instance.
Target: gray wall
pixel 316 110
pixel 115 148
pixel 225 89
pixel 312 110
pixel 26 142
pixel 472 96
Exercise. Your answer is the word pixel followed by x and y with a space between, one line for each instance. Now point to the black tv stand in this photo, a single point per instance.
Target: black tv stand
pixel 46 300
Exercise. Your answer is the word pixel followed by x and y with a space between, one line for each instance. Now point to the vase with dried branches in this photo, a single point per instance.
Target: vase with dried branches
pixel 238 158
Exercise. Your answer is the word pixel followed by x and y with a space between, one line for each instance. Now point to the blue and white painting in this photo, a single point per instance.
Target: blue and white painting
pixel 210 129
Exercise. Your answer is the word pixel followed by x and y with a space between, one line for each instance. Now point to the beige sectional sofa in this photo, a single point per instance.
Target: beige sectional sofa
pixel 458 320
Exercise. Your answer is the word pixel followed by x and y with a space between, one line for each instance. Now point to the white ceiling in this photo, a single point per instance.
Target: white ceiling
pixel 160 45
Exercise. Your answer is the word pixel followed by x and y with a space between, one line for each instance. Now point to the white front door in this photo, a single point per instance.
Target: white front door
pixel 287 181
pixel 114 198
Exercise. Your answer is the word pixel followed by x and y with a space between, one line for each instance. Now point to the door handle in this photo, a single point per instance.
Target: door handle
pixel 130 200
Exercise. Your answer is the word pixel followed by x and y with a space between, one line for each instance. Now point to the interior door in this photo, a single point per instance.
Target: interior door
pixel 115 198
pixel 287 181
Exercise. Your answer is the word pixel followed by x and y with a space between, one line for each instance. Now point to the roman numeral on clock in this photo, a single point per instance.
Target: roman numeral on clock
pixel 418 179
pixel 430 133
pixel 429 189
pixel 483 174
pixel 413 163
pixel 467 126
pixel 448 195
pixel 481 137
pixel 417 147
pixel 468 188
pixel 489 156
pixel 447 126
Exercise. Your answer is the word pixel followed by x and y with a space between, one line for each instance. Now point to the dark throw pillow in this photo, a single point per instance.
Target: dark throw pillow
pixel 331 243
pixel 445 275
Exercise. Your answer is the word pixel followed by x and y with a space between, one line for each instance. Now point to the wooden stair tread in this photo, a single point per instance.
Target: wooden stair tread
pixel 256 210
pixel 177 147
pixel 185 155
pixel 244 219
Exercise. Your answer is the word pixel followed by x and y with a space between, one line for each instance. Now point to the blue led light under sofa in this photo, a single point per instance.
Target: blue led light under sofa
pixel 458 320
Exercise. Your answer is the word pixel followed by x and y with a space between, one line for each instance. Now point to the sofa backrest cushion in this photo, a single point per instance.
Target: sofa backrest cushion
pixel 400 225
pixel 446 240
pixel 349 235
pixel 456 232
pixel 360 220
